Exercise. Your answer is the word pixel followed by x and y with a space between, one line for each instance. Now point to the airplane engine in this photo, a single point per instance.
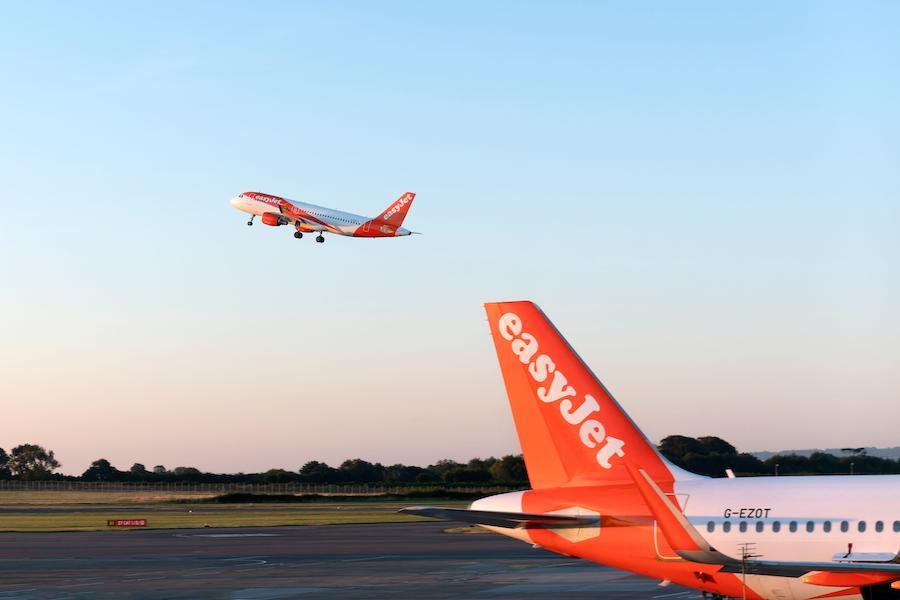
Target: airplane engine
pixel 274 219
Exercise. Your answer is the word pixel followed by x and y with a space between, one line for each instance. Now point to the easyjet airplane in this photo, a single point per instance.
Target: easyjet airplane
pixel 601 491
pixel 307 218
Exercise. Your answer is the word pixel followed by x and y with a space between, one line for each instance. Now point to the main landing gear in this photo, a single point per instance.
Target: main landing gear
pixel 250 222
pixel 320 238
pixel 298 234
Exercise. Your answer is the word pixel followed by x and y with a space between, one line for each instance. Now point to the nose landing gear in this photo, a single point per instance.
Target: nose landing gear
pixel 250 222
pixel 320 238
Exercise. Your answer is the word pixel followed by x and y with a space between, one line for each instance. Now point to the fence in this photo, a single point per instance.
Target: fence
pixel 355 489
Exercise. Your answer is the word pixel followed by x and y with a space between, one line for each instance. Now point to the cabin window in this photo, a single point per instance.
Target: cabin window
pixel 845 526
pixel 759 526
pixel 897 526
pixel 793 526
pixel 726 526
pixel 826 526
pixel 711 526
pixel 776 526
pixel 743 526
pixel 861 526
pixel 810 526
pixel 879 526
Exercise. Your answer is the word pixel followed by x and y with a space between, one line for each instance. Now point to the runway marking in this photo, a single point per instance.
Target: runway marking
pixel 563 564
pixel 227 535
pixel 68 585
pixel 203 571
pixel 370 558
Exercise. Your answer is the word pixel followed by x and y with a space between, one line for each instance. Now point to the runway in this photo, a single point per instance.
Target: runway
pixel 409 560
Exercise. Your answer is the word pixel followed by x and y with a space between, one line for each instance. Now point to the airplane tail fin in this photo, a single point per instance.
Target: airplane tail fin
pixel 571 429
pixel 395 213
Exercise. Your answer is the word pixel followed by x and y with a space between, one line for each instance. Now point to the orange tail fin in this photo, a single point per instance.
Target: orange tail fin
pixel 396 212
pixel 571 429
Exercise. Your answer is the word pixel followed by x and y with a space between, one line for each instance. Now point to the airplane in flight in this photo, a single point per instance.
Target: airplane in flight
pixel 601 491
pixel 309 218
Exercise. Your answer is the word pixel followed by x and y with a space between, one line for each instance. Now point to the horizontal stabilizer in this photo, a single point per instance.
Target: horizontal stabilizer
pixel 512 520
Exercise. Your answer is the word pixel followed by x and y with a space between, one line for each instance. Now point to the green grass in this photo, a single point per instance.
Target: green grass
pixel 66 497
pixel 236 517
pixel 89 511
pixel 415 497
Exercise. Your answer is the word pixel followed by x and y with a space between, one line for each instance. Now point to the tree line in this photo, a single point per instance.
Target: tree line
pixel 711 455
pixel 707 455
pixel 31 462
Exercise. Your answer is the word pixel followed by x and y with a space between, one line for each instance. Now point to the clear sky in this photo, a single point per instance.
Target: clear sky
pixel 704 197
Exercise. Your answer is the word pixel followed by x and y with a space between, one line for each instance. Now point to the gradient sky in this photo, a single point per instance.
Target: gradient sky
pixel 704 197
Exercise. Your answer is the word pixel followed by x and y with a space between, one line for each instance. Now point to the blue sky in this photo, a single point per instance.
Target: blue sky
pixel 704 198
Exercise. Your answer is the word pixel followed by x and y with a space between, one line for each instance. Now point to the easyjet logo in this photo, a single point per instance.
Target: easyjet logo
pixel 265 198
pixel 396 207
pixel 586 416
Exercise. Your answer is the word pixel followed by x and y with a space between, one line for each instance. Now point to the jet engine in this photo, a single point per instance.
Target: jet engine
pixel 274 219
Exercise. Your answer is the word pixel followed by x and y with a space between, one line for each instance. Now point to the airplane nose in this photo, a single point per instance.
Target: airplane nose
pixel 236 202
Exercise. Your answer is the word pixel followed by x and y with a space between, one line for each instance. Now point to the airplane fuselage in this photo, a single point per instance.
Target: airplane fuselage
pixel 793 519
pixel 308 218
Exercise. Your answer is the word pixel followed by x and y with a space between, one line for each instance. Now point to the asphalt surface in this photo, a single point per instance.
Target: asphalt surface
pixel 408 560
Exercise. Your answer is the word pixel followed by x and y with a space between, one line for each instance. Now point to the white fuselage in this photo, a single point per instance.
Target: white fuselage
pixel 796 518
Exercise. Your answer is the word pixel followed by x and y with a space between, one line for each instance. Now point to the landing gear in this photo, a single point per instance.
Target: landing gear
pixel 250 222
pixel 320 238
pixel 298 235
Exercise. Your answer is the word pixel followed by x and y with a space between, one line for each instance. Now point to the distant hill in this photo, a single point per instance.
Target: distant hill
pixel 892 453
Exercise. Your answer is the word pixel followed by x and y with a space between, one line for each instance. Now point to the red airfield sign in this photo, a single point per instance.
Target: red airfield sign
pixel 126 523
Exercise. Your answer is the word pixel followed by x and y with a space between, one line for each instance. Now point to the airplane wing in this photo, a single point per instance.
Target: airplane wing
pixel 512 520
pixel 687 542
